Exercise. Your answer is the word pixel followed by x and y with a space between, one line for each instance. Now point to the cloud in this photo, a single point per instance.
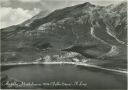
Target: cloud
pixel 10 16
pixel 29 0
pixel 4 0
pixel 21 0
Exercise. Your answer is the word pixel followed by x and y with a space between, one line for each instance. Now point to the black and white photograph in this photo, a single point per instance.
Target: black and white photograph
pixel 63 44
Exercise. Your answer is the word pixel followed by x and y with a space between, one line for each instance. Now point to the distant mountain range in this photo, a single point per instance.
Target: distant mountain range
pixel 95 32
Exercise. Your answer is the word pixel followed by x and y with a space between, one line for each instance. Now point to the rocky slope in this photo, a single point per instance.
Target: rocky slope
pixel 93 32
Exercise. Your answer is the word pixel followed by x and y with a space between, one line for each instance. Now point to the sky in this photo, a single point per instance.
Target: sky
pixel 14 12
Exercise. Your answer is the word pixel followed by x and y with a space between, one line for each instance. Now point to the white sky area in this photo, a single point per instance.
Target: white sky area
pixel 14 12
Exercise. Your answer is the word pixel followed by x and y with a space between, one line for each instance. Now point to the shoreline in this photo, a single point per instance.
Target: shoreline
pixel 72 63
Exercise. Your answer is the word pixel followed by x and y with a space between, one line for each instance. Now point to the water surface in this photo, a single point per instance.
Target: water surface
pixel 94 78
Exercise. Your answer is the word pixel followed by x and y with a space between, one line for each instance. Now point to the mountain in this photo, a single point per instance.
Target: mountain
pixel 94 32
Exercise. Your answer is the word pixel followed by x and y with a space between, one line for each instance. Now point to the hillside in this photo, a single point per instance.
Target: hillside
pixel 97 34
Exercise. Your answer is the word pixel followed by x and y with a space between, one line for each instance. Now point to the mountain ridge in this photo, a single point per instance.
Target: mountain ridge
pixel 83 25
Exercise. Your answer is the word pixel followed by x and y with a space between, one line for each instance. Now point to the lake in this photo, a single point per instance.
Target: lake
pixel 67 76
